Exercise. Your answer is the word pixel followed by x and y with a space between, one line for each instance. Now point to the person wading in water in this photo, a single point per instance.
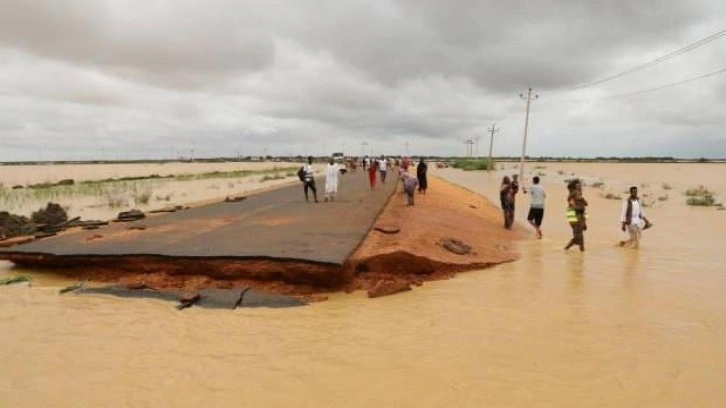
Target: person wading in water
pixel 505 198
pixel 575 214
pixel 536 206
pixel 631 219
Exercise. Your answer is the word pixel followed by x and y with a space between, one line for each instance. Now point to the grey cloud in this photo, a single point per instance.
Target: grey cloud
pixel 310 75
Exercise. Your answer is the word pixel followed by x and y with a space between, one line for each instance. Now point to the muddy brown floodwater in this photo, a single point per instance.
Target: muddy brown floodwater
pixel 610 327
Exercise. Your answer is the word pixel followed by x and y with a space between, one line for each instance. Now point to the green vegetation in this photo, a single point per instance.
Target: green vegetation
pixel 234 174
pixel 701 197
pixel 698 191
pixel 611 196
pixel 702 201
pixel 470 165
pixel 15 279
pixel 269 177
pixel 116 192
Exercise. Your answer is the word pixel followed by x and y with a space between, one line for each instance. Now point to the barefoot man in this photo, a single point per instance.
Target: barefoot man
pixel 536 206
pixel 631 219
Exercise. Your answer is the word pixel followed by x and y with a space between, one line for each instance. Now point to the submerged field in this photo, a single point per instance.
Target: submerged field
pixel 101 191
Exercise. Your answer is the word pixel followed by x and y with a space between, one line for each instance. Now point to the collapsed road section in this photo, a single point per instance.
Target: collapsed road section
pixel 271 236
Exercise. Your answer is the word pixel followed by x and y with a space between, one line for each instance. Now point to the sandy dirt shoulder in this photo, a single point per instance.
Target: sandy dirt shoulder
pixel 416 253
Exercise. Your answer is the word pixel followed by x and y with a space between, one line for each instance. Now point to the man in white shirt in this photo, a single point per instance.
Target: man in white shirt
pixel 536 206
pixel 383 168
pixel 308 179
pixel 332 171
pixel 632 218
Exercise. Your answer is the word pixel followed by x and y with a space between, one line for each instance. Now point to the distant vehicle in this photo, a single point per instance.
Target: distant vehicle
pixel 339 157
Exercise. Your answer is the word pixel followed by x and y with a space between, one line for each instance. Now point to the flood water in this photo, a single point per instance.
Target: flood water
pixel 612 327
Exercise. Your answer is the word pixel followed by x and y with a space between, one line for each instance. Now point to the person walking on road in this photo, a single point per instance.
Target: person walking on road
pixel 633 219
pixel 372 173
pixel 332 173
pixel 308 178
pixel 421 171
pixel 383 168
pixel 409 187
pixel 505 200
pixel 536 205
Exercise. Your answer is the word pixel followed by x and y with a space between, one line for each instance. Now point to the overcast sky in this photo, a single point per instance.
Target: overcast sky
pixel 155 79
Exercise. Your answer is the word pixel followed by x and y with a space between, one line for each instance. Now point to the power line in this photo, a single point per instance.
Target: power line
pixel 672 54
pixel 657 88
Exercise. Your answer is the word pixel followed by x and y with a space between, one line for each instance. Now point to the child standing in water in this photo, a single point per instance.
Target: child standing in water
pixel 576 205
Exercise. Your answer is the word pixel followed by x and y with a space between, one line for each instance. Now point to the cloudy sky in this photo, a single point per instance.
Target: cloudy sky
pixel 118 79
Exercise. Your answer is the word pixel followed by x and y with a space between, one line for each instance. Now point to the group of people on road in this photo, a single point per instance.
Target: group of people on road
pixel 375 168
pixel 633 220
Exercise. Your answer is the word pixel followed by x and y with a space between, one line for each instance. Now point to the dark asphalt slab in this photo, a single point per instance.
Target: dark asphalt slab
pixel 276 224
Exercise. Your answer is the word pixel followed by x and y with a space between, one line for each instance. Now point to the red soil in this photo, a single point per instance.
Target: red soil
pixel 415 254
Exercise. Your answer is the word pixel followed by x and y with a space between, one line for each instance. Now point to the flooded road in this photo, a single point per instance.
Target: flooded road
pixel 611 327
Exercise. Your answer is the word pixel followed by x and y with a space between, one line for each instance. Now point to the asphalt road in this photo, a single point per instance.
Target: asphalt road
pixel 276 224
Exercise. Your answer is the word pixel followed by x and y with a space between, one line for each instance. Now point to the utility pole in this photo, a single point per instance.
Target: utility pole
pixel 469 147
pixel 492 130
pixel 526 125
pixel 407 148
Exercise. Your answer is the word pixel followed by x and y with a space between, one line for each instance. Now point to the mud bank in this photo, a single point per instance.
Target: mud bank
pixel 416 253
pixel 406 249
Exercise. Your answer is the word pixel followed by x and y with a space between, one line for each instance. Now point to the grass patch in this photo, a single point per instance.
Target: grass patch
pixel 234 174
pixel 611 196
pixel 270 177
pixel 701 197
pixel 702 201
pixel 471 165
pixel 699 191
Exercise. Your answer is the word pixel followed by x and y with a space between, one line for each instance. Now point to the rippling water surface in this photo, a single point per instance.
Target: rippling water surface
pixel 610 327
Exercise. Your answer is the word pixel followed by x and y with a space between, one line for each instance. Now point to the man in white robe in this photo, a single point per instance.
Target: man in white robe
pixel 332 173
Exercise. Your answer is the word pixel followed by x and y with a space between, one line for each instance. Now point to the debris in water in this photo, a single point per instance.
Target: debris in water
pixel 131 215
pixel 71 288
pixel 386 287
pixel 456 246
pixel 50 215
pixel 15 279
pixel 387 229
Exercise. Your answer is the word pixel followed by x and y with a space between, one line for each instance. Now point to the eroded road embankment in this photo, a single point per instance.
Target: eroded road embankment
pixel 278 243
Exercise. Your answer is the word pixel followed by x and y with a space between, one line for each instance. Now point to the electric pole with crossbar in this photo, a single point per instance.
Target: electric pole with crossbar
pixel 526 125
